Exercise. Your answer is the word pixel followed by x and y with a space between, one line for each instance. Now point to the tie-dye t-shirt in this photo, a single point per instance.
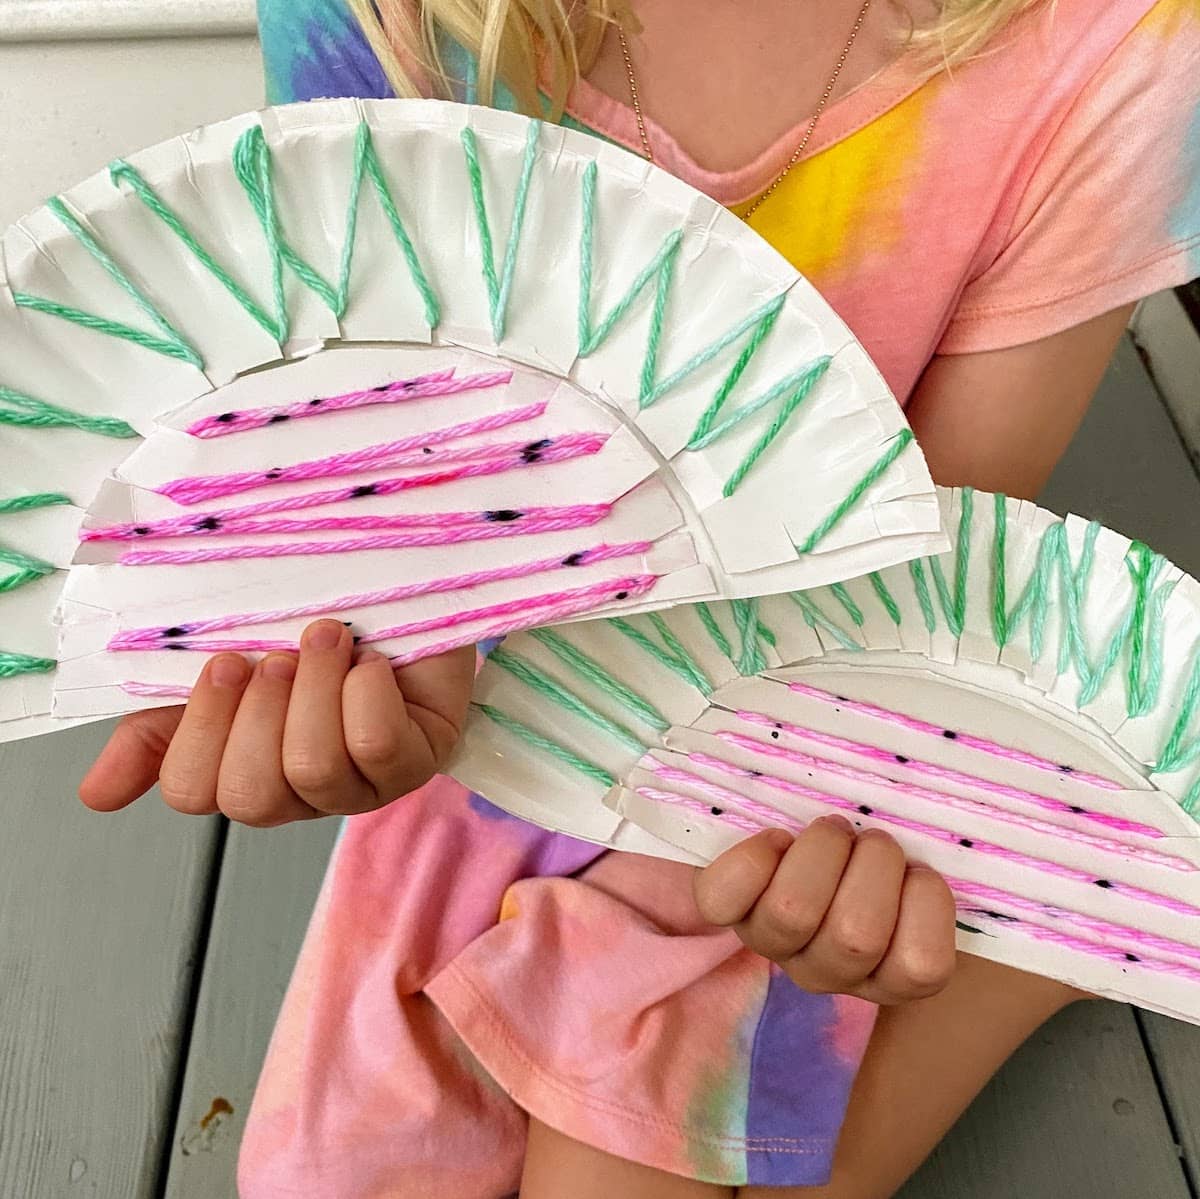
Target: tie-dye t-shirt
pixel 1051 180
pixel 464 968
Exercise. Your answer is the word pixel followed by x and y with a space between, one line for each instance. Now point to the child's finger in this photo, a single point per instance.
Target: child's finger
pixel 128 765
pixel 857 929
pixel 251 787
pixel 389 751
pixel 793 906
pixel 315 761
pixel 728 888
pixel 193 759
pixel 921 958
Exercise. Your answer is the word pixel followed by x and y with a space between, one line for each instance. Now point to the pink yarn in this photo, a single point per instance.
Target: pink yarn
pixel 439 383
pixel 315 499
pixel 156 690
pixel 975 806
pixel 967 739
pixel 956 776
pixel 941 834
pixel 533 610
pixel 391 541
pixel 154 636
pixel 198 488
pixel 585 513
pixel 545 613
pixel 965 892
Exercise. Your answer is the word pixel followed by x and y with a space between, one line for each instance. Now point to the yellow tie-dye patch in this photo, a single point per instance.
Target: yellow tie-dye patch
pixel 847 202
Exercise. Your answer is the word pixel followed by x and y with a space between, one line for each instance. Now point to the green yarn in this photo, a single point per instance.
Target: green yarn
pixel 844 598
pixel 954 607
pixel 714 630
pixel 545 686
pixel 591 670
pixel 815 618
pixel 745 615
pixel 528 735
pixel 699 437
pixel 172 343
pixel 499 286
pixel 921 587
pixel 675 658
pixel 1178 751
pixel 121 172
pixel 26 569
pixel 16 408
pixel 881 465
pixel 885 597
pixel 1000 571
pixel 807 381
pixel 12 665
pixel 24 503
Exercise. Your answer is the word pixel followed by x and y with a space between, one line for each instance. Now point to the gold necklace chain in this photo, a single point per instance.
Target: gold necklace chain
pixel 797 154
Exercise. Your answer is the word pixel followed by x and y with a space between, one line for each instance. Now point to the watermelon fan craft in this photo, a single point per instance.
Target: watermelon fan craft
pixel 1021 712
pixel 440 371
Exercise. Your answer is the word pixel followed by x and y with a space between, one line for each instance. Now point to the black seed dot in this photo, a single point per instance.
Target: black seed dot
pixel 533 451
pixel 363 490
pixel 141 530
pixel 717 811
pixel 383 387
pixel 273 474
pixel 573 559
pixel 503 514
pixel 426 450
pixel 227 418
pixel 901 759
pixel 622 595
pixel 1067 769
pixel 315 403
pixel 966 843
pixel 1132 957
pixel 774 734
pixel 949 735
pixel 862 807
pixel 756 773
pixel 1077 811
pixel 409 384
pixel 173 645
pixel 966 928
pixel 207 524
pixel 1103 882
pixel 1001 916
pixel 175 631
pixel 278 418
pixel 842 698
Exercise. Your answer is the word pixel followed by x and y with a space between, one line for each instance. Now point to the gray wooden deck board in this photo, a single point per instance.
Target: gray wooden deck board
pixel 269 880
pixel 99 919
pixel 1073 1115
pixel 1176 1051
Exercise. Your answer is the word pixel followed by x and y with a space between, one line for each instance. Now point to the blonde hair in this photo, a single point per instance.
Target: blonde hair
pixel 524 43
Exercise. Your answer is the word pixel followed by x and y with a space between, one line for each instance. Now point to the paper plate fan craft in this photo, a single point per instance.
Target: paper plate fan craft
pixel 441 371
pixel 1022 713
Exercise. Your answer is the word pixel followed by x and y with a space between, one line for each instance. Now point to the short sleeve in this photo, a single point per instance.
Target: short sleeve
pixel 315 49
pixel 1111 211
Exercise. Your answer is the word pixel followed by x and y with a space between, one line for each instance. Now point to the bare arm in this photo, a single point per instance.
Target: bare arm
pixel 1001 420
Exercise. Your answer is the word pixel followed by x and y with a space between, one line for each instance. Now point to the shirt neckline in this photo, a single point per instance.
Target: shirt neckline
pixel 616 120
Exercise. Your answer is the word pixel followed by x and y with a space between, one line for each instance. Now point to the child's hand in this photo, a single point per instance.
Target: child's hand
pixel 840 913
pixel 322 732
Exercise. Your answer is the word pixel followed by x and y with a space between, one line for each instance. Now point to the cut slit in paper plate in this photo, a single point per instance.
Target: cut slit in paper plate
pixel 1022 713
pixel 439 371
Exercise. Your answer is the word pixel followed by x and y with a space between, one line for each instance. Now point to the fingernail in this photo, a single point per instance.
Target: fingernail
pixel 280 666
pixel 325 634
pixel 229 670
pixel 368 655
pixel 838 822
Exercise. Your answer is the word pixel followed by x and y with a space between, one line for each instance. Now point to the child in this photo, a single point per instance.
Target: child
pixel 481 1006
